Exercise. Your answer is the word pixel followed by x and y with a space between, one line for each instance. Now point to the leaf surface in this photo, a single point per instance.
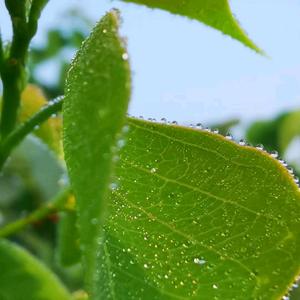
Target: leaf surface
pixel 196 216
pixel 97 96
pixel 214 13
pixel 24 277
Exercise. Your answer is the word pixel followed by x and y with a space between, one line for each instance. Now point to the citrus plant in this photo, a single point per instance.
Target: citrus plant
pixel 154 210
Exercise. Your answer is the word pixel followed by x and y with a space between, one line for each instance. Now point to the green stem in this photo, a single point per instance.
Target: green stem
pixel 24 129
pixel 34 15
pixel 58 204
pixel 13 69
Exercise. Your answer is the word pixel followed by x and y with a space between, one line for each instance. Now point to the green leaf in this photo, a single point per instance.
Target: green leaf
pixel 266 132
pixel 97 96
pixel 214 13
pixel 68 239
pixel 289 129
pixel 24 277
pixel 197 216
pixel 275 134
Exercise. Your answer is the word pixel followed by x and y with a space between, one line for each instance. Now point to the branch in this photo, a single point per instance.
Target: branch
pixel 58 204
pixel 24 129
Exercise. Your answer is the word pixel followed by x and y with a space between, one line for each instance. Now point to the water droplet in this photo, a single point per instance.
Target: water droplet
pixel 199 261
pixel 125 56
pixel 94 221
pixel 242 143
pixel 215 286
pixel 125 129
pixel 113 186
pixel 260 147
pixel 121 143
pixel 229 137
pixel 104 31
pixel 153 170
pixel 146 266
pixel 274 154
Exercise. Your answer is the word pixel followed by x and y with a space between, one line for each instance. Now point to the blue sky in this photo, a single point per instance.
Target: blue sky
pixel 185 71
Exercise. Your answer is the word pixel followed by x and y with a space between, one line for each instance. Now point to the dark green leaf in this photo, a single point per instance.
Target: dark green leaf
pixel 97 95
pixel 24 277
pixel 196 216
pixel 214 13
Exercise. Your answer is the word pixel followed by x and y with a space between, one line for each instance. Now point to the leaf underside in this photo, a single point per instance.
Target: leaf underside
pixel 23 277
pixel 195 216
pixel 95 105
pixel 214 13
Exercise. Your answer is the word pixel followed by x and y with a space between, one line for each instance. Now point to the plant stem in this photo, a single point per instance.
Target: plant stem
pixel 13 68
pixel 24 129
pixel 54 206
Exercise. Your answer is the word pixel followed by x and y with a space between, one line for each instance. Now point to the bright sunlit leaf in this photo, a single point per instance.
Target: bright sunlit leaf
pixel 196 216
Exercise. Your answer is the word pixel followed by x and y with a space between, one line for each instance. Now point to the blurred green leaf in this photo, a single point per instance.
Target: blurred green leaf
pixel 224 127
pixel 196 216
pixel 214 13
pixel 266 133
pixel 288 130
pixel 276 134
pixel 68 239
pixel 95 105
pixel 24 277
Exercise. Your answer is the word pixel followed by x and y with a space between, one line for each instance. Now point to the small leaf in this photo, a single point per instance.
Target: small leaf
pixel 97 96
pixel 24 277
pixel 214 13
pixel 196 216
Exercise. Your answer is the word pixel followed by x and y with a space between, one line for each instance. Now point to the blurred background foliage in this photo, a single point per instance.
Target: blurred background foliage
pixel 35 172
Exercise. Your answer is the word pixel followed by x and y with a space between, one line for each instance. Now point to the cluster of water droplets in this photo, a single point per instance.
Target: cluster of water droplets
pixel 292 288
pixel 120 143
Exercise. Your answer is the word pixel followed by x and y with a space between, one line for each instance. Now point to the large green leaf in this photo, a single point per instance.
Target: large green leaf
pixel 23 277
pixel 214 13
pixel 197 216
pixel 97 95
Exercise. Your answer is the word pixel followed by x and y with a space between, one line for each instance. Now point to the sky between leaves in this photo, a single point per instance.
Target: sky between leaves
pixel 196 79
